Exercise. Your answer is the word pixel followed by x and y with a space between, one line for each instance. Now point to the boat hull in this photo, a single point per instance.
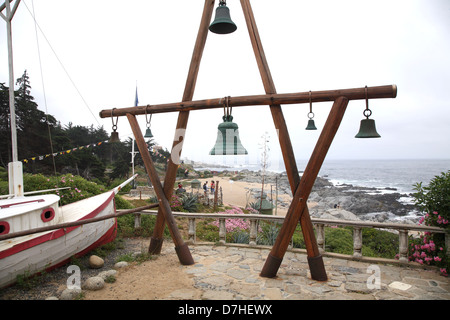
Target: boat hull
pixel 44 251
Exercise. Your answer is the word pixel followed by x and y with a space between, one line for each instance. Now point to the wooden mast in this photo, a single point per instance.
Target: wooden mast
pixel 15 166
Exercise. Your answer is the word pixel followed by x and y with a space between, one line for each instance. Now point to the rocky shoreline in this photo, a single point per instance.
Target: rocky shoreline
pixel 341 201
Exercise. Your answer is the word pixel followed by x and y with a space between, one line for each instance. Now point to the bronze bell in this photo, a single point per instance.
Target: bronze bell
pixel 222 23
pixel 311 125
pixel 228 142
pixel 367 129
pixel 114 137
pixel 148 133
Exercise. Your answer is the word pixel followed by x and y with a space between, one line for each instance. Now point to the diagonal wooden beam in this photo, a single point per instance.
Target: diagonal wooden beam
pixel 183 117
pixel 184 255
pixel 269 87
pixel 298 208
pixel 289 161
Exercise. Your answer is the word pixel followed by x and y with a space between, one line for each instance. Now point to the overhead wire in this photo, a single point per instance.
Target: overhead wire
pixel 43 88
pixel 61 63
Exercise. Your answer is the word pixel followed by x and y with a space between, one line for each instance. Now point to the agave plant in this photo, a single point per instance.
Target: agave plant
pixel 189 202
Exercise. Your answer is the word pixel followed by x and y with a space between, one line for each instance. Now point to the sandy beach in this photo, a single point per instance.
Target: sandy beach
pixel 238 193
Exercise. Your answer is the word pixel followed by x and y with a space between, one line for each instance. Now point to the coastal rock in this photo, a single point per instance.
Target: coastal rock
pixel 94 283
pixel 339 214
pixel 95 262
pixel 364 203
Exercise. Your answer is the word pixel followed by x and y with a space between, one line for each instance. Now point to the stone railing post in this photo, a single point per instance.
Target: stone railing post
pixel 253 232
pixel 222 231
pixel 403 245
pixel 357 242
pixel 320 237
pixel 137 220
pixel 192 230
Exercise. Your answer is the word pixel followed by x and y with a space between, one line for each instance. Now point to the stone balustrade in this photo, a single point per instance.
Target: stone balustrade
pixel 403 231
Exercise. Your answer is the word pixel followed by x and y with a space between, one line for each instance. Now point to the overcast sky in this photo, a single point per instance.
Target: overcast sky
pixel 107 48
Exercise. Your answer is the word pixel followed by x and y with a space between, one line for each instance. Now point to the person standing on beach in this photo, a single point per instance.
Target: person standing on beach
pixel 212 186
pixel 205 187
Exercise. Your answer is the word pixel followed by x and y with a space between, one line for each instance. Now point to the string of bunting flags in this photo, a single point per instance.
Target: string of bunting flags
pixel 92 145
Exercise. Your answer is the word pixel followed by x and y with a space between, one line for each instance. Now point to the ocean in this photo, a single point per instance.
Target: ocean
pixel 400 175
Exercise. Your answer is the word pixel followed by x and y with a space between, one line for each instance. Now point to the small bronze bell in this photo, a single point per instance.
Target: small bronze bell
pixel 222 23
pixel 311 125
pixel 367 129
pixel 114 137
pixel 148 133
pixel 228 142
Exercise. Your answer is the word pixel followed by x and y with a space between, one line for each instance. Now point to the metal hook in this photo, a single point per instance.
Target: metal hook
pixel 114 125
pixel 369 112
pixel 146 119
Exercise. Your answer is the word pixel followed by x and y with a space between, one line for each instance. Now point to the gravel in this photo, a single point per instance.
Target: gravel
pixel 52 283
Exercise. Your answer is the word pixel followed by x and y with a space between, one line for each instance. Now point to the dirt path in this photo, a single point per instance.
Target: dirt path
pixel 151 280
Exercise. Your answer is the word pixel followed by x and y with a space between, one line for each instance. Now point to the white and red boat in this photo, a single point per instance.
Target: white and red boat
pixel 21 212
pixel 34 253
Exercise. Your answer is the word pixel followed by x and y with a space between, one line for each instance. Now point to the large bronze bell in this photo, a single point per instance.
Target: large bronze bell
pixel 222 23
pixel 367 129
pixel 228 142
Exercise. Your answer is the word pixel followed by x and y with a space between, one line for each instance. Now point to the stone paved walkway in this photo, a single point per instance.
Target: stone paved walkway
pixel 231 273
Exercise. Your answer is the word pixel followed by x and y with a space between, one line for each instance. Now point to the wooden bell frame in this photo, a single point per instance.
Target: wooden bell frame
pixel 301 188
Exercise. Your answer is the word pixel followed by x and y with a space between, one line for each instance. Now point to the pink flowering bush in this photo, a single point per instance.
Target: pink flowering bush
pixel 175 203
pixel 232 225
pixel 430 248
pixel 426 251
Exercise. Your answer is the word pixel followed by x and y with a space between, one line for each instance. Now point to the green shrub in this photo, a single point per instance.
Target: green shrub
pixel 80 188
pixel 339 240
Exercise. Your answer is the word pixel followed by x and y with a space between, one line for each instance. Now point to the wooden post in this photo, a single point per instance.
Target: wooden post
pixel 298 208
pixel 183 116
pixel 184 255
pixel 216 192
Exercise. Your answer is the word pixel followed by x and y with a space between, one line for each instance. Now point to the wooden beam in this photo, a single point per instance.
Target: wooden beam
pixel 183 117
pixel 269 87
pixel 378 92
pixel 297 209
pixel 184 255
